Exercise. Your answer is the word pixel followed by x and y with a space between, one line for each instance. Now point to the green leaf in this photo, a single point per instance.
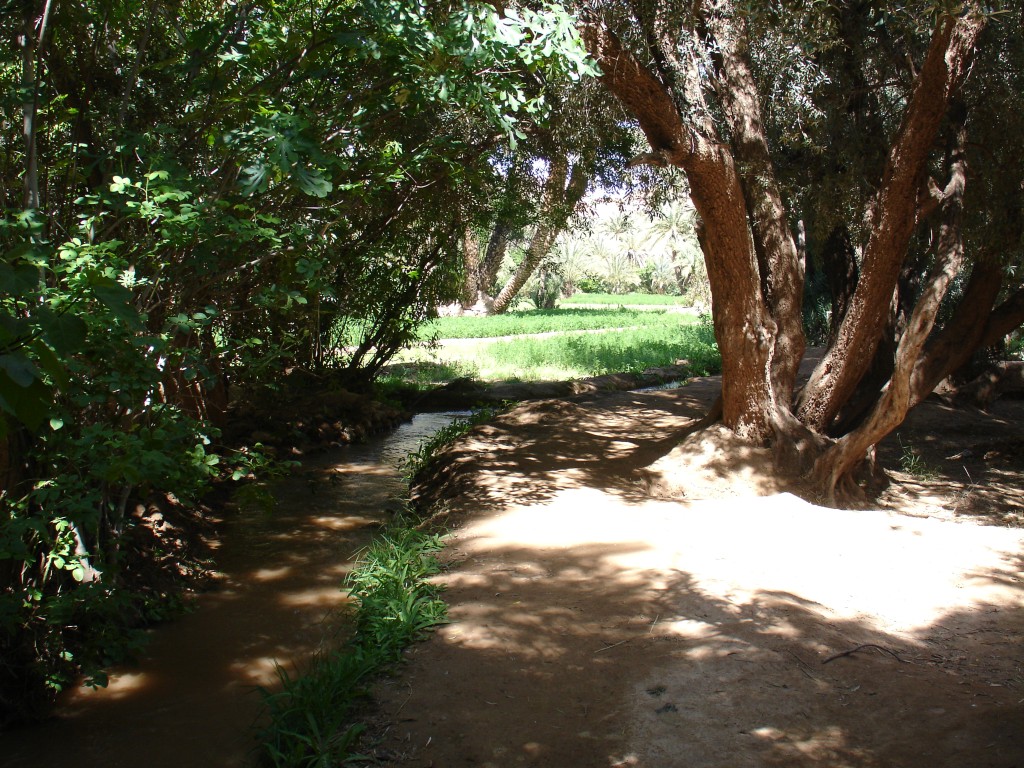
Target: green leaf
pixel 12 328
pixel 19 369
pixel 64 332
pixel 116 298
pixel 51 364
pixel 313 183
pixel 18 279
pixel 31 405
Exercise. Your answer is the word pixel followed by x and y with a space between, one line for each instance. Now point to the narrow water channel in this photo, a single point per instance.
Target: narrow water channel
pixel 191 698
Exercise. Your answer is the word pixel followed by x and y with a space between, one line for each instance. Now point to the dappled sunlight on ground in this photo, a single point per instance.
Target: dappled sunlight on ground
pixel 594 625
pixel 847 562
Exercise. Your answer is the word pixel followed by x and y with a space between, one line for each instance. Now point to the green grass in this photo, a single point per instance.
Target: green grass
pixel 546 321
pixel 625 299
pixel 578 356
pixel 311 717
pixel 913 464
pixel 419 459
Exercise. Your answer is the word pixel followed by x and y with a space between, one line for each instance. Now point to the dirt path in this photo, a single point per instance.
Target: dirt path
pixel 594 625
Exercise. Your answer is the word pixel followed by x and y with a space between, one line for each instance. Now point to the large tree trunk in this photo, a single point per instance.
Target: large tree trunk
pixel 975 325
pixel 754 267
pixel 780 267
pixel 896 208
pixel 898 397
pixel 744 328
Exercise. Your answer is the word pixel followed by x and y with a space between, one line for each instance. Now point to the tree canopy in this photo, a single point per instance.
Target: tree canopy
pixel 201 192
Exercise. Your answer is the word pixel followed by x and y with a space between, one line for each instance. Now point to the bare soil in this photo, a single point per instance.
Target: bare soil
pixel 721 621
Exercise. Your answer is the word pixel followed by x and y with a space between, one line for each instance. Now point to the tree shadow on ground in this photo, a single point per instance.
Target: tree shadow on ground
pixel 960 460
pixel 525 455
pixel 566 657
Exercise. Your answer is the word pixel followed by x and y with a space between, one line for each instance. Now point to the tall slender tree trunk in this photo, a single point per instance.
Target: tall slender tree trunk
pixel 32 40
pixel 495 254
pixel 558 202
pixel 840 263
pixel 471 268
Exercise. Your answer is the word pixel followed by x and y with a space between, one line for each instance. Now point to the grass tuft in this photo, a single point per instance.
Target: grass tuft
pixel 419 459
pixel 311 717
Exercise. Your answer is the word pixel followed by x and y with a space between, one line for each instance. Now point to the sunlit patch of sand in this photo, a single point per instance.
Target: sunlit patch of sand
pixel 847 563
pixel 347 523
pixel 271 574
pixel 119 686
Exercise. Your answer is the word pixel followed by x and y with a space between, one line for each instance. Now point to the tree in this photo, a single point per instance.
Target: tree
pixel 199 191
pixel 690 77
pixel 563 190
pixel 583 144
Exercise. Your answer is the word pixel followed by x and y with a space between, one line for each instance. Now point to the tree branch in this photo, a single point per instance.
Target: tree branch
pixel 837 375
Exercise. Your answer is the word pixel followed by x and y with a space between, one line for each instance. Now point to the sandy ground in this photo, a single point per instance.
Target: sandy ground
pixel 593 624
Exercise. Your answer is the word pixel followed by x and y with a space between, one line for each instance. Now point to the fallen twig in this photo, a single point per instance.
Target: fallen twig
pixel 861 648
pixel 609 647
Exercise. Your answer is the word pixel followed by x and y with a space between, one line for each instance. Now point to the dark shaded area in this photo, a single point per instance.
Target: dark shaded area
pixel 469 393
pixel 281 558
pixel 608 457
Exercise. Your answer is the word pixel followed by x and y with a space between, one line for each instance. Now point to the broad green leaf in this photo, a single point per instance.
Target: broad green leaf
pixel 18 279
pixel 51 364
pixel 30 405
pixel 19 369
pixel 116 298
pixel 64 332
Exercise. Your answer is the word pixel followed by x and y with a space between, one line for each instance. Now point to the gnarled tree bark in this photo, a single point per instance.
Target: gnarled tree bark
pixel 896 208
pixel 754 266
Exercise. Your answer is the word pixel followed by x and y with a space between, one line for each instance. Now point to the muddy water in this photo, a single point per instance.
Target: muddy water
pixel 191 698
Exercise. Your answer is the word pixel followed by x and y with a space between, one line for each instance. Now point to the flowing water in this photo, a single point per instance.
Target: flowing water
pixel 192 697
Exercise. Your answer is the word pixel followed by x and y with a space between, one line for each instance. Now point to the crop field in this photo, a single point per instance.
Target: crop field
pixel 558 345
pixel 625 300
pixel 551 321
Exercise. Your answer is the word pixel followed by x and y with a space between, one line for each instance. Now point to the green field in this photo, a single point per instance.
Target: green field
pixel 626 300
pixel 548 321
pixel 659 339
